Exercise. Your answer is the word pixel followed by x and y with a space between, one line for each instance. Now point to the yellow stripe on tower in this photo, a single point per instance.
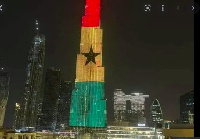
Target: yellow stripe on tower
pixel 90 36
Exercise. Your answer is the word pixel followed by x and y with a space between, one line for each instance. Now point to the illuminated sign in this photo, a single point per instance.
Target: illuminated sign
pixel 141 124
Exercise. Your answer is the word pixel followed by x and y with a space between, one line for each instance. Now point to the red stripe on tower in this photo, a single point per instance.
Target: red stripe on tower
pixel 92 14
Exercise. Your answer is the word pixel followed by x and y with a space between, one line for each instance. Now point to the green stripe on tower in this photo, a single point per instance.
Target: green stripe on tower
pixel 88 107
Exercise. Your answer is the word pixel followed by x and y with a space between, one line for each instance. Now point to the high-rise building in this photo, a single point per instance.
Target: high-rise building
pixel 88 104
pixel 4 93
pixel 119 105
pixel 156 112
pixel 129 108
pixel 64 101
pixel 34 71
pixel 16 124
pixel 50 101
pixel 39 114
pixel 187 107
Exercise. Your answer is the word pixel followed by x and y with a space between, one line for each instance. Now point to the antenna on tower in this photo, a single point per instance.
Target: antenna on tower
pixel 37 26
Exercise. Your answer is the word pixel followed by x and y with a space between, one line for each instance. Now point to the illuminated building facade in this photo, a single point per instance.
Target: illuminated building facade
pixel 34 71
pixel 39 114
pixel 129 108
pixel 4 93
pixel 119 105
pixel 64 101
pixel 88 104
pixel 187 108
pixel 50 101
pixel 156 112
pixel 128 132
pixel 28 135
pixel 16 124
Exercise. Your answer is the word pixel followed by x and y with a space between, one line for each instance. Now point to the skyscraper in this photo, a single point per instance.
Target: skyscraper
pixel 119 105
pixel 50 101
pixel 4 93
pixel 34 71
pixel 187 108
pixel 156 112
pixel 129 108
pixel 88 104
pixel 39 114
pixel 64 101
pixel 16 124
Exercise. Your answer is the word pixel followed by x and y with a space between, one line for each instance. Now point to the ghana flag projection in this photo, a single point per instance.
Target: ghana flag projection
pixel 88 106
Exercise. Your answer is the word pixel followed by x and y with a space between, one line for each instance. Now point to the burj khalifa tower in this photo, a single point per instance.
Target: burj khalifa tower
pixel 88 104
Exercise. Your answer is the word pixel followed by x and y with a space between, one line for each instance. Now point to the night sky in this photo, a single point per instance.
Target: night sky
pixel 148 53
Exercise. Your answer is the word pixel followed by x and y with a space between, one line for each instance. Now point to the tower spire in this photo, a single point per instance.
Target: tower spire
pixel 37 26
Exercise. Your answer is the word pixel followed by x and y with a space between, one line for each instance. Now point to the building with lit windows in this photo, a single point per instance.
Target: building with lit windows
pixel 64 101
pixel 124 132
pixel 34 72
pixel 4 93
pixel 88 104
pixel 27 135
pixel 156 112
pixel 119 105
pixel 56 102
pixel 39 114
pixel 187 108
pixel 50 101
pixel 129 108
pixel 16 124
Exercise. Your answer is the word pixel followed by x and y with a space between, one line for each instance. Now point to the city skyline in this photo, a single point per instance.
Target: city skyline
pixel 146 67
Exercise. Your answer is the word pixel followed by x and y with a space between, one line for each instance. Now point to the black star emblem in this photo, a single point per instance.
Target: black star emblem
pixel 90 56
